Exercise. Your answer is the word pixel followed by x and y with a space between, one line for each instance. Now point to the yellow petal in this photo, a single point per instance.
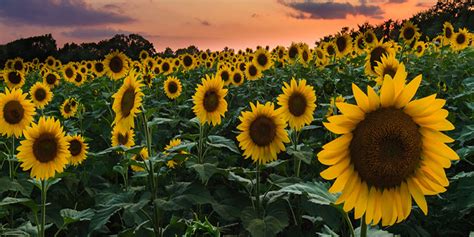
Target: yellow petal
pixel 335 170
pixel 374 101
pixel 406 199
pixel 339 143
pixel 408 92
pixel 387 92
pixel 444 125
pixel 386 207
pixel 331 157
pixel 441 149
pixel 341 181
pixel 417 107
pixel 378 207
pixel 351 111
pixel 434 118
pixel 369 213
pixel 361 201
pixel 435 135
pixel 417 195
pixel 336 128
pixel 361 98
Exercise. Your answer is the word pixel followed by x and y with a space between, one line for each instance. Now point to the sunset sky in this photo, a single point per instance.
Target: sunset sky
pixel 211 24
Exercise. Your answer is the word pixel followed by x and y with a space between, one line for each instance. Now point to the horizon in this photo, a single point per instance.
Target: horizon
pixel 209 24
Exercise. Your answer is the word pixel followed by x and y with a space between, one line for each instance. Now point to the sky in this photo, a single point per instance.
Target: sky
pixel 207 24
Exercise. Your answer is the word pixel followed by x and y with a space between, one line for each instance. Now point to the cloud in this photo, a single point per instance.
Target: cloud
pixel 203 22
pixel 60 13
pixel 312 9
pixel 397 1
pixel 93 33
pixel 424 4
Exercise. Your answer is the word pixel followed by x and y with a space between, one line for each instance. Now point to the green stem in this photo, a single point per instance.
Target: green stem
pixel 349 223
pixel 257 189
pixel 43 206
pixel 201 143
pixel 12 157
pixel 297 160
pixel 363 227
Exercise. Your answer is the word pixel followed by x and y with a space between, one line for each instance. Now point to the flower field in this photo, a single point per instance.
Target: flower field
pixel 359 135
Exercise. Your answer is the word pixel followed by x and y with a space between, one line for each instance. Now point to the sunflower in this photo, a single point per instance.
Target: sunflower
pixel 297 104
pixel 116 65
pixel 262 59
pixel 14 79
pixel 225 74
pixel 409 32
pixel 68 108
pixel 165 67
pixel 69 72
pixel 77 149
pixel 343 45
pixel 172 87
pixel 330 48
pixel 40 94
pixel 143 55
pixel 321 57
pixel 50 62
pixel 252 72
pixel 293 52
pixel 172 144
pixel 237 77
pixel 124 138
pixel 448 32
pixel 281 54
pixel 388 65
pixel 16 112
pixel 44 150
pixel 419 48
pixel 17 65
pixel 127 102
pixel 359 43
pixel 188 61
pixel 140 157
pixel 263 133
pixel 370 38
pixel 79 79
pixel 306 54
pixel 98 68
pixel 51 79
pixel 209 101
pixel 391 149
pixel 460 39
pixel 375 54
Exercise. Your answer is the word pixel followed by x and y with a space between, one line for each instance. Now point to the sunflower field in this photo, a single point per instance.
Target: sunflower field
pixel 356 136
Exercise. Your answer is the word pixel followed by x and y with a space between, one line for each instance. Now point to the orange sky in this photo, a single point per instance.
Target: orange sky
pixel 210 24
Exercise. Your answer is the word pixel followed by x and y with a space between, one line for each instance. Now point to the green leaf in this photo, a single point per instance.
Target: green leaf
pixel 102 216
pixel 222 142
pixel 262 227
pixel 12 185
pixel 317 192
pixel 71 215
pixel 23 201
pixel 205 171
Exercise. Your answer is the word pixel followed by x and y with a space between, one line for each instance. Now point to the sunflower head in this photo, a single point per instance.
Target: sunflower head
pixel 140 157
pixel 419 48
pixel 77 149
pixel 172 87
pixel 370 38
pixel 262 59
pixel 409 32
pixel 460 39
pixel 98 68
pixel 237 77
pixel 116 65
pixel 124 138
pixel 69 72
pixel 293 52
pixel 40 94
pixel 375 54
pixel 390 66
pixel 14 79
pixel 252 71
pixel 297 104
pixel 391 150
pixel 68 108
pixel 44 150
pixel 51 79
pixel 448 31
pixel 18 65
pixel 225 74
pixel 143 55
pixel 359 43
pixel 16 112
pixel 188 61
pixel 209 100
pixel 343 45
pixel 127 102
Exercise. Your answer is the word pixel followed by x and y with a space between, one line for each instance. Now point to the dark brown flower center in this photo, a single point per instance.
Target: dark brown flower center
pixel 40 94
pixel 69 72
pixel 187 61
pixel 331 50
pixel 461 38
pixel 293 52
pixel 51 79
pixel 122 138
pixel 116 64
pixel 45 147
pixel 376 55
pixel 237 78
pixel 408 33
pixel 127 102
pixel 341 43
pixel 67 108
pixel 225 75
pixel 389 70
pixel 211 101
pixel 369 38
pixel 13 112
pixel 419 48
pixel 360 43
pixel 75 147
pixel 165 66
pixel 448 33
pixel 297 104
pixel 253 70
pixel 172 87
pixel 14 77
pixel 262 130
pixel 99 67
pixel 78 77
pixel 18 65
pixel 262 59
pixel 385 148
pixel 242 66
pixel 305 56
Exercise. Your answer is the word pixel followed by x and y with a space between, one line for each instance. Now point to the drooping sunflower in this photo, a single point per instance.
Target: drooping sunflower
pixel 172 87
pixel 391 149
pixel 16 112
pixel 77 149
pixel 127 102
pixel 69 72
pixel 252 72
pixel 388 65
pixel 263 133
pixel 238 77
pixel 448 32
pixel 14 79
pixel 409 32
pixel 262 59
pixel 225 74
pixel 98 68
pixel 125 138
pixel 116 65
pixel 51 79
pixel 343 45
pixel 140 157
pixel 370 38
pixel 419 48
pixel 375 54
pixel 68 108
pixel 298 103
pixel 44 150
pixel 40 94
pixel 460 39
pixel 209 100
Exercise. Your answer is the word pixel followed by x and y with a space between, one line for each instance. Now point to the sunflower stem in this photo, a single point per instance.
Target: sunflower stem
pixel 297 160
pixel 257 189
pixel 12 157
pixel 363 227
pixel 349 223
pixel 44 190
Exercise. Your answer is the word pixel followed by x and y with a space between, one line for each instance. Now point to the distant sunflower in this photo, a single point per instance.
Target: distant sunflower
pixel 321 57
pixel 375 54
pixel 143 55
pixel 330 48
pixel 98 68
pixel 14 79
pixel 388 65
pixel 188 61
pixel 127 102
pixel 69 72
pixel 252 72
pixel 370 38
pixel 44 150
pixel 281 54
pixel 172 87
pixel 165 67
pixel 460 39
pixel 306 55
pixel 79 79
pixel 50 62
pixel 140 157
pixel 77 149
pixel 262 59
pixel 125 138
pixel 224 73
pixel 343 45
pixel 409 32
pixel 40 94
pixel 68 108
pixel 172 144
pixel 51 79
pixel 293 52
pixel 359 43
pixel 448 32
pixel 237 77
pixel 116 65
pixel 18 65
pixel 391 149
pixel 16 112
pixel 298 103
pixel 262 133
pixel 209 100
pixel 419 48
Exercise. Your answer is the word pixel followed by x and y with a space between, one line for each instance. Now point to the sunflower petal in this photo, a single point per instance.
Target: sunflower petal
pixel 408 92
pixel 361 98
pixel 416 193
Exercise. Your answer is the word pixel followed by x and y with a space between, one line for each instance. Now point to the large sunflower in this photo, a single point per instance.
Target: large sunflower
pixel 77 149
pixel 172 87
pixel 409 32
pixel 391 149
pixel 40 94
pixel 297 104
pixel 262 59
pixel 125 138
pixel 116 65
pixel 14 79
pixel 44 150
pixel 375 54
pixel 127 102
pixel 209 101
pixel 140 157
pixel 263 133
pixel 388 65
pixel 16 112
pixel 51 79
pixel 460 40
pixel 343 45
